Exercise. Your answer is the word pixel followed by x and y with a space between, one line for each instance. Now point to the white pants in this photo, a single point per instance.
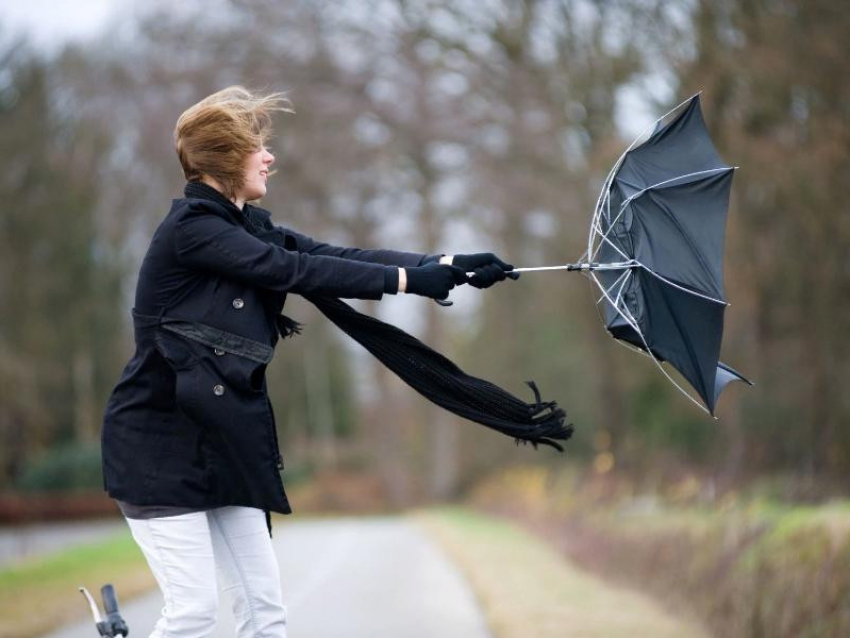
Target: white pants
pixel 185 553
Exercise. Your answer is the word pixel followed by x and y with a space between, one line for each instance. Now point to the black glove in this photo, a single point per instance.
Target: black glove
pixel 487 267
pixel 434 280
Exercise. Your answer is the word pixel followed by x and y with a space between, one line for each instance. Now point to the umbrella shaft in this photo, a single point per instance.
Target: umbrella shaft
pixel 582 266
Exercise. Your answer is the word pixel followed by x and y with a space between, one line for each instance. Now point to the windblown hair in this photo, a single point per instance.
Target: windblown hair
pixel 215 136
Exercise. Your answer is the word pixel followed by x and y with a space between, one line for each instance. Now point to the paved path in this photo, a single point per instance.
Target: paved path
pixel 376 577
pixel 22 541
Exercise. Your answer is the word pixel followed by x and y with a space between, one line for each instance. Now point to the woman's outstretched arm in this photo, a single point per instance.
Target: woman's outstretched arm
pixel 378 255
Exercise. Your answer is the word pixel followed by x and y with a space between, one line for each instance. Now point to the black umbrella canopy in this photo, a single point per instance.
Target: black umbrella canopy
pixel 661 221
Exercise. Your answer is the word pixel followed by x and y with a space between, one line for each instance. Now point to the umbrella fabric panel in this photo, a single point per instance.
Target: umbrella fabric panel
pixel 684 330
pixel 725 376
pixel 682 146
pixel 678 231
pixel 622 330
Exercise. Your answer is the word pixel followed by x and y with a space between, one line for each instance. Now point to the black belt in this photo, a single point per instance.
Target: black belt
pixel 209 335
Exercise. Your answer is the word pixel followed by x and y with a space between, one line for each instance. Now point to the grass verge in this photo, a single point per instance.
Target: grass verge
pixel 527 588
pixel 41 594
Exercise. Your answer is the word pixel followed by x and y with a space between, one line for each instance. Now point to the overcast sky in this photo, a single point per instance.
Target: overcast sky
pixel 51 23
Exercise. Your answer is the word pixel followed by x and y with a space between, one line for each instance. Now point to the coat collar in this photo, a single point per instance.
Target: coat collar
pixel 253 218
pixel 202 190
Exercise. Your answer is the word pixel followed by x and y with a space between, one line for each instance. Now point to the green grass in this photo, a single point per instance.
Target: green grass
pixel 116 551
pixel 527 588
pixel 41 593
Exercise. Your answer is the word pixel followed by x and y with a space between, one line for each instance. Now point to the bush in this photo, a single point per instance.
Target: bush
pixel 746 566
pixel 70 467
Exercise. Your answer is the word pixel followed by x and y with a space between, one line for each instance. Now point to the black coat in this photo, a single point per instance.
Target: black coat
pixel 189 422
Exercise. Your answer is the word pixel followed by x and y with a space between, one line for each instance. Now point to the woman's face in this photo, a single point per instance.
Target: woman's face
pixel 256 174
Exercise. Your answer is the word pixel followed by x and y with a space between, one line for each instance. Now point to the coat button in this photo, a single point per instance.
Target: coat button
pixel 238 303
pixel 218 389
pixel 218 351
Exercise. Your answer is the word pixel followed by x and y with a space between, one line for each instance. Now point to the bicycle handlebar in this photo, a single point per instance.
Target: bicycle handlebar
pixel 114 625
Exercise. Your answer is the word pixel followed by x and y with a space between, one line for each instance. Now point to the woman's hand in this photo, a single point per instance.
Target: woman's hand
pixel 432 280
pixel 488 268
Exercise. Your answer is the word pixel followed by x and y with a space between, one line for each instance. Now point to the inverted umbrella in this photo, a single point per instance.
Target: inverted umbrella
pixel 655 250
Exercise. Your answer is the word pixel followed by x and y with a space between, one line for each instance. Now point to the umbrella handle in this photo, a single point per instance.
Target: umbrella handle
pixel 446 302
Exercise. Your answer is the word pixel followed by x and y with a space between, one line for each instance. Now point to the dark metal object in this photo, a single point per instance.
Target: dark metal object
pixel 113 625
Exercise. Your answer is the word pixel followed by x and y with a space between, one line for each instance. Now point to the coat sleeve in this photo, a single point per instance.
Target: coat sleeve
pixel 207 240
pixel 310 246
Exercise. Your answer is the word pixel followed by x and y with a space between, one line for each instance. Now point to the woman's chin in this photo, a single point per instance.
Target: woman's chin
pixel 259 192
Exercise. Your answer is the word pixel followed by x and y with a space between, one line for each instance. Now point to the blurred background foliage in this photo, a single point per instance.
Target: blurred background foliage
pixel 442 127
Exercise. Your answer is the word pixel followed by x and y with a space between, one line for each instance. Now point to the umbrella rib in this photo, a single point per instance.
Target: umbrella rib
pixel 603 199
pixel 617 281
pixel 675 285
pixel 631 347
pixel 622 286
pixel 673 179
pixel 611 287
pixel 622 311
pixel 603 194
pixel 603 204
pixel 603 237
pixel 590 278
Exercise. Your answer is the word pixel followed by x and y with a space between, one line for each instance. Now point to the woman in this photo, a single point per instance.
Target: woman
pixel 189 442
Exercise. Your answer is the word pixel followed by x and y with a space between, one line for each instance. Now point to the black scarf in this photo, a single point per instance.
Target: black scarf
pixel 425 370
